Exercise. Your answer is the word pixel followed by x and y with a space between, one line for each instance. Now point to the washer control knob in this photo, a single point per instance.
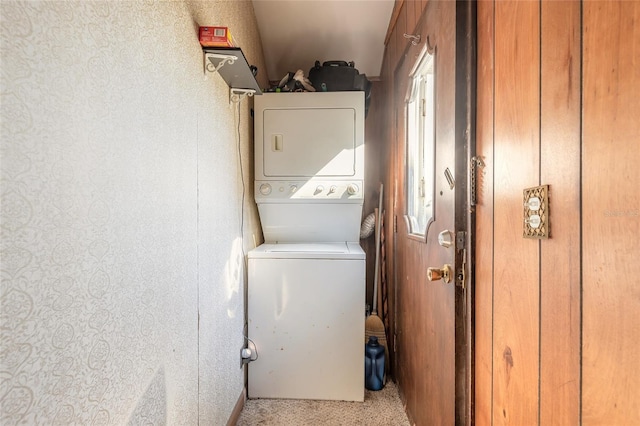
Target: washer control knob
pixel 265 189
pixel 352 189
pixel 318 190
pixel 293 188
pixel 332 189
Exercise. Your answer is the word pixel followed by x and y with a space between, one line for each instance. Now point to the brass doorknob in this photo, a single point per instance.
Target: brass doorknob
pixel 435 274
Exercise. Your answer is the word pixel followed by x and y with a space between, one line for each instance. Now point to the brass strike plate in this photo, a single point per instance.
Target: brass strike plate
pixel 536 213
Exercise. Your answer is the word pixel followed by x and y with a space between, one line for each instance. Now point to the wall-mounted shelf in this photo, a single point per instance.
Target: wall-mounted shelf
pixel 234 69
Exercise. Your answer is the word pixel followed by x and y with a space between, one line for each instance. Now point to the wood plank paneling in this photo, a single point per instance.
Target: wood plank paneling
pixel 516 259
pixel 388 40
pixel 611 213
pixel 401 28
pixel 374 173
pixel 484 218
pixel 417 10
pixel 560 255
pixel 412 16
pixel 405 321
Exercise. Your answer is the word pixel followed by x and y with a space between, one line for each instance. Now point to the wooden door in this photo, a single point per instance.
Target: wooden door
pixel 426 322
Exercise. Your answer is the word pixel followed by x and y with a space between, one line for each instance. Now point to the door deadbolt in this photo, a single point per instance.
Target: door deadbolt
pixel 445 238
pixel 435 274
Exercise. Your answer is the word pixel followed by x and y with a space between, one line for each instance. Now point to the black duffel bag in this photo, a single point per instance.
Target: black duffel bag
pixel 337 76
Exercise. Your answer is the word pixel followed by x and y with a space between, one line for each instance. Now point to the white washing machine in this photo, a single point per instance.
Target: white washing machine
pixel 306 305
pixel 306 288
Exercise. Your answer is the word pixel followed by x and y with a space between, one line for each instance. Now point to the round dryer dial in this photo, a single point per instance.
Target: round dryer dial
pixel 352 189
pixel 265 189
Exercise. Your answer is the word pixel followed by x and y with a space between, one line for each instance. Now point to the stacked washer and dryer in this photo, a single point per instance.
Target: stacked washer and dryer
pixel 306 288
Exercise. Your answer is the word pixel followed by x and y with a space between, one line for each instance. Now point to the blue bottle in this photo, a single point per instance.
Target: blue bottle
pixel 373 364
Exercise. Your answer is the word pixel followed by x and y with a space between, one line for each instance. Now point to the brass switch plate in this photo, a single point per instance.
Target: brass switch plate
pixel 536 212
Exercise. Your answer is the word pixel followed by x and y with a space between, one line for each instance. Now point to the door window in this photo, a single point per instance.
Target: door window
pixel 420 152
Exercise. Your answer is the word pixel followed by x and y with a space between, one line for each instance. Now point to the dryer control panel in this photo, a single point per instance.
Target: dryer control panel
pixel 318 190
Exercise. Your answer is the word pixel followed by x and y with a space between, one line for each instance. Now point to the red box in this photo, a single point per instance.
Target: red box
pixel 216 37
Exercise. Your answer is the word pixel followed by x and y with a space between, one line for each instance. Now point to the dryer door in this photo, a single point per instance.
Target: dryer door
pixel 309 142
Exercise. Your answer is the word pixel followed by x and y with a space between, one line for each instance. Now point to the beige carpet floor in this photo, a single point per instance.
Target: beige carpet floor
pixel 380 408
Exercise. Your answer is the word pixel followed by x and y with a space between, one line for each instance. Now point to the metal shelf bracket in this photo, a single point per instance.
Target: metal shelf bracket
pixel 236 95
pixel 210 60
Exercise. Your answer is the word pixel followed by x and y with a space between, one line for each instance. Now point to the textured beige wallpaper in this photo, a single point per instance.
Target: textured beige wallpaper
pixel 122 254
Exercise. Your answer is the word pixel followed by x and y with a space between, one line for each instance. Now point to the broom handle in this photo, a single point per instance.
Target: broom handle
pixel 374 303
pixel 381 275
